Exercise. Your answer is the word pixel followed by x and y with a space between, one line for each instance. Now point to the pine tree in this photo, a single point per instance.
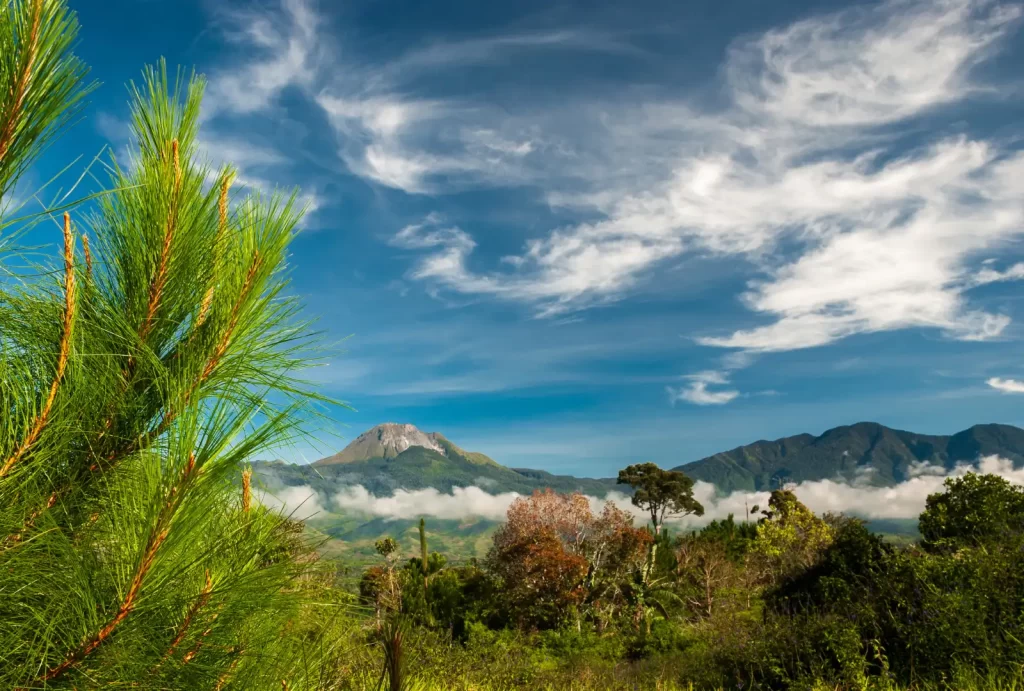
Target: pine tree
pixel 137 378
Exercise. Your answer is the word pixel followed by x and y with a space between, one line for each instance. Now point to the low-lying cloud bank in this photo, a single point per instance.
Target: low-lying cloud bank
pixel 463 502
pixel 300 503
pixel 859 498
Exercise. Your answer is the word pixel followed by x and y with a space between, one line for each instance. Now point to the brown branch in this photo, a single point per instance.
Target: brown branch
pixel 20 89
pixel 122 613
pixel 204 598
pixel 29 523
pixel 160 280
pixel 246 489
pixel 88 256
pixel 155 292
pixel 190 655
pixel 62 358
pixel 236 310
pixel 218 353
pixel 222 228
pixel 157 538
pixel 227 673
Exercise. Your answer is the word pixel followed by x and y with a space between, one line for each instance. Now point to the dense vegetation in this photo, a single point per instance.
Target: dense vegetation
pixel 568 597
pixel 142 372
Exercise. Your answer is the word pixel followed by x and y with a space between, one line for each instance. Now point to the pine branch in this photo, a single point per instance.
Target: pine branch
pixel 41 81
pixel 64 353
pixel 146 438
pixel 157 537
pixel 202 601
pixel 160 279
pixel 20 89
pixel 88 257
pixel 222 228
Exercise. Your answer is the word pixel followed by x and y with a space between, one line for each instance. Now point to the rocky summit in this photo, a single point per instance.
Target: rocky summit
pixel 385 441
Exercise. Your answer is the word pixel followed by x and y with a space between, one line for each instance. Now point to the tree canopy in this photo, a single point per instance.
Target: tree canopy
pixel 974 510
pixel 660 492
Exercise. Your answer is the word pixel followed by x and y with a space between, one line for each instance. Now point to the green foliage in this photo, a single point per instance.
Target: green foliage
pixel 386 546
pixel 41 82
pixel 736 538
pixel 660 492
pixel 790 538
pixel 974 510
pixel 793 602
pixel 134 389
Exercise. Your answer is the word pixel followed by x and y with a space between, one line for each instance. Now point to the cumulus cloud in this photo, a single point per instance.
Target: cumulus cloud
pixel 300 503
pixel 1006 385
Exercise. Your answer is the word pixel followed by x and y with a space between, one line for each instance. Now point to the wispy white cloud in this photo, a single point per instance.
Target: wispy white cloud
pixel 1006 385
pixel 286 42
pixel 990 275
pixel 807 156
pixel 697 392
pixel 486 49
pixel 282 50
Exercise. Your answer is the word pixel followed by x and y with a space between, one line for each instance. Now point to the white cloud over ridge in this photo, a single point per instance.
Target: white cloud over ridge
pixel 299 502
pixel 905 500
pixel 461 503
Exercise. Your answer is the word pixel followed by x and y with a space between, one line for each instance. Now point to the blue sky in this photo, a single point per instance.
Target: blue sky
pixel 578 235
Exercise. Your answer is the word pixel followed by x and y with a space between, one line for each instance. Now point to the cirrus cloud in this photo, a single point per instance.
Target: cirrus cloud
pixel 813 153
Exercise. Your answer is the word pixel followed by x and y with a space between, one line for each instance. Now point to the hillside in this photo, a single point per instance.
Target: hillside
pixel 391 456
pixel 867 451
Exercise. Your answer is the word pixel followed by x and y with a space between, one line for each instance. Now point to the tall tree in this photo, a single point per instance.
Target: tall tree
pixel 662 493
pixel 973 510
pixel 790 538
pixel 553 551
pixel 135 387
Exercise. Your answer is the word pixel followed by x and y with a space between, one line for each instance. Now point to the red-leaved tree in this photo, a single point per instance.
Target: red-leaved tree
pixel 558 559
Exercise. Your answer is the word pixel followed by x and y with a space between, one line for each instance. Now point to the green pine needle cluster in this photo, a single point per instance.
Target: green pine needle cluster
pixel 139 373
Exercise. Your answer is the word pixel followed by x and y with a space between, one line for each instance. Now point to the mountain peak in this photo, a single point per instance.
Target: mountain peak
pixel 385 441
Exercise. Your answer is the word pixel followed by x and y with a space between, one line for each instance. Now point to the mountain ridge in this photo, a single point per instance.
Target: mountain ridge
pixel 865 451
pixel 393 456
